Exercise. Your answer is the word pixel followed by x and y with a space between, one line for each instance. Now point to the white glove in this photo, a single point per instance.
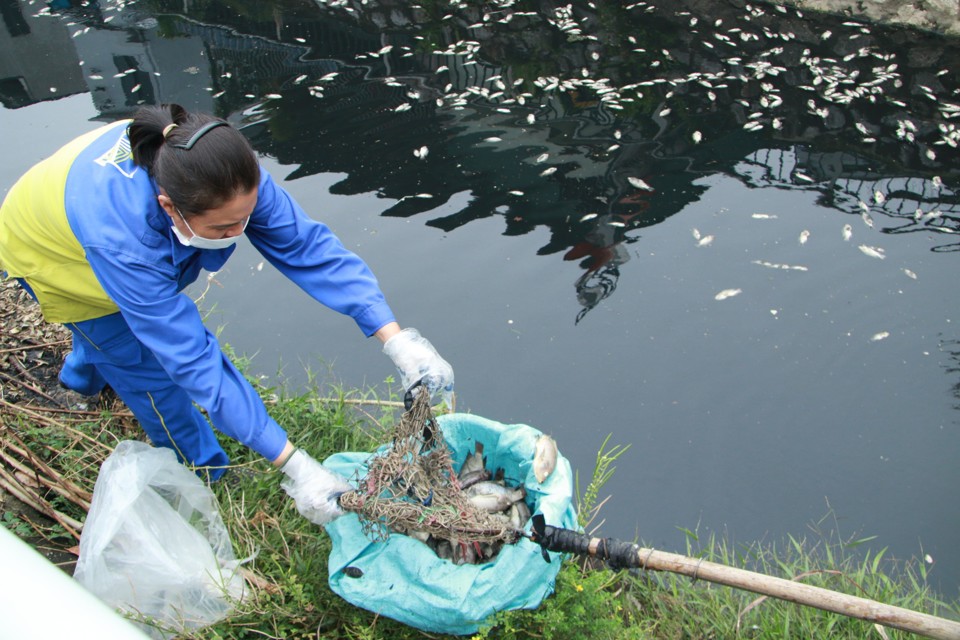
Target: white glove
pixel 313 488
pixel 417 361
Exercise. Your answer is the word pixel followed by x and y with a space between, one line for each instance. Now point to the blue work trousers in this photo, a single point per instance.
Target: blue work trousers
pixel 105 351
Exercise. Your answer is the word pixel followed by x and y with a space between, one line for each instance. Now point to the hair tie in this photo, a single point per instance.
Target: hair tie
pixel 167 129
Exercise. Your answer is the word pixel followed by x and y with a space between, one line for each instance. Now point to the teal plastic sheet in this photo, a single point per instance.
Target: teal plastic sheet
pixel 403 579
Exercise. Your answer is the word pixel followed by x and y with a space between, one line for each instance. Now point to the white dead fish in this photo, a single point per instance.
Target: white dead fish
pixel 780 265
pixel 705 241
pixel 847 232
pixel 485 487
pixel 639 184
pixel 468 480
pixel 548 171
pixel 421 152
pixel 519 514
pixel 804 236
pixel 542 157
pixel 418 195
pixel 763 216
pixel 697 137
pixel 463 553
pixel 727 293
pixel 873 252
pixel 491 503
pixel 474 461
pixel 910 274
pixel 882 335
pixel 544 457
pixel 492 139
pixel 589 216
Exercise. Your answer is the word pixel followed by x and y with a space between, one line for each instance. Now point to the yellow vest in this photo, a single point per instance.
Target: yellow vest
pixel 37 244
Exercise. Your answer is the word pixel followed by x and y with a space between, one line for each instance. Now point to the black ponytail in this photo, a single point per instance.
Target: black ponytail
pixel 218 166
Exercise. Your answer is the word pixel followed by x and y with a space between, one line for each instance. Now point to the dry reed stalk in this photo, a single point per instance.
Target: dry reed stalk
pixel 42 345
pixel 67 488
pixel 18 490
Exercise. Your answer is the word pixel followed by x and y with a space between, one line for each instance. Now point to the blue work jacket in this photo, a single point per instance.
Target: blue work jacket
pixel 116 252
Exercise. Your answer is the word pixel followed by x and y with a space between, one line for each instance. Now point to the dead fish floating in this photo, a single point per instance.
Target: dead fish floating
pixel 727 293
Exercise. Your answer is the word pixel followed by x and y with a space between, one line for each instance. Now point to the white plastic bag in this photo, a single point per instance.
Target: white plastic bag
pixel 154 544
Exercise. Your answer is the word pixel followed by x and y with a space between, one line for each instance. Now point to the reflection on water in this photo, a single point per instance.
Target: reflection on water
pixel 584 126
pixel 590 121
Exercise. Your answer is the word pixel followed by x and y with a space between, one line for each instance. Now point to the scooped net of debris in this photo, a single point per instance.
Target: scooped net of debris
pixel 412 488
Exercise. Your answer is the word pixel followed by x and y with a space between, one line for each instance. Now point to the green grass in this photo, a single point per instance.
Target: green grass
pixel 293 600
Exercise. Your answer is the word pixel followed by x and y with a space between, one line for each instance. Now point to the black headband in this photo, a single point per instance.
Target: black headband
pixel 200 133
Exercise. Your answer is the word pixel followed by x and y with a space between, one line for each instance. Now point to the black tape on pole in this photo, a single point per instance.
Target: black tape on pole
pixel 616 553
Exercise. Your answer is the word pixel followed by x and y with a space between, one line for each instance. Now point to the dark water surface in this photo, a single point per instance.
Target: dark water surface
pixel 724 233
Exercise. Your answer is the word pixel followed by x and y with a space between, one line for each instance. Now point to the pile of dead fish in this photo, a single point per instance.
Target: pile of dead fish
pixel 489 492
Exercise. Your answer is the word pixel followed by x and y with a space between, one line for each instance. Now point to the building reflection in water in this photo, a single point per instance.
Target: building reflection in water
pixel 593 124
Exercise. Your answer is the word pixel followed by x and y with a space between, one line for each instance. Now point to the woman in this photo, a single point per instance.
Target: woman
pixel 108 231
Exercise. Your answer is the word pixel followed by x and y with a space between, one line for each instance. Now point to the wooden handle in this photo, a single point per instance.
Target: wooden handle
pixel 852 606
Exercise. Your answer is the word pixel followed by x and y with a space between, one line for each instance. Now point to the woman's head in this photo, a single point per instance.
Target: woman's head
pixel 201 163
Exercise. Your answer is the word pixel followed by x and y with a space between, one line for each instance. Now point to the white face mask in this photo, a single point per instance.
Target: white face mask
pixel 199 242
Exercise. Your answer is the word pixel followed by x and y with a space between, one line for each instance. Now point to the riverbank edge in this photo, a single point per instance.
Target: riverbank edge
pixel 937 16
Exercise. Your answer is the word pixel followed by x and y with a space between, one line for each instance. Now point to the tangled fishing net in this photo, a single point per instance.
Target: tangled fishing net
pixel 412 488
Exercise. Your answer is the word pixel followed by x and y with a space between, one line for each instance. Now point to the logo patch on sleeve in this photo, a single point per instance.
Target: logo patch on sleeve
pixel 120 157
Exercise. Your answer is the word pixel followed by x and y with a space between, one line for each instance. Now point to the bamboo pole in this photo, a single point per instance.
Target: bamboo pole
pixel 825 599
pixel 624 554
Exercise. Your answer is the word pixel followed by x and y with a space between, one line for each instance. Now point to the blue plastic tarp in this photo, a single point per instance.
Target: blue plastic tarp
pixel 403 579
